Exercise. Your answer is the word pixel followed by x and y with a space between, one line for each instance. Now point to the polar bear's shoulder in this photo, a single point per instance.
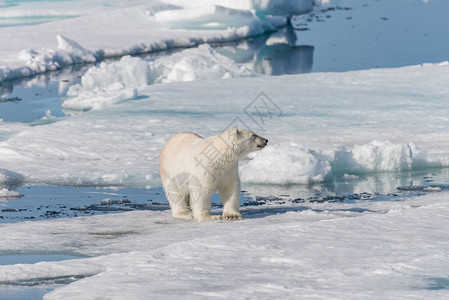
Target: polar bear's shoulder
pixel 186 134
pixel 183 138
pixel 178 143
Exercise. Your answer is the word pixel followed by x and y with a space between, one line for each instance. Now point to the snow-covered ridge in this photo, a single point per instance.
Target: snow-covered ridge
pixel 289 164
pixel 110 83
pixel 267 7
pixel 212 17
pixel 68 52
pixel 152 27
pixel 5 193
pixel 282 164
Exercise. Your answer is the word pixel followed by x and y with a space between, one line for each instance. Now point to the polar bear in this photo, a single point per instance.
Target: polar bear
pixel 193 167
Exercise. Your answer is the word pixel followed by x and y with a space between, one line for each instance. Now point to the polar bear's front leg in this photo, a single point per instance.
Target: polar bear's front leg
pixel 231 203
pixel 230 197
pixel 201 207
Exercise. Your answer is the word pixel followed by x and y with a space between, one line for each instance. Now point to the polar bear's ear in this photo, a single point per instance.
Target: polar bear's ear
pixel 238 133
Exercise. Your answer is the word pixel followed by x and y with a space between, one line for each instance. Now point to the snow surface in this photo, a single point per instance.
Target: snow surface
pixel 377 250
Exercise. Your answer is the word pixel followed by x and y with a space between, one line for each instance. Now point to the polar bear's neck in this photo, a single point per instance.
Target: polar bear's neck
pixel 224 162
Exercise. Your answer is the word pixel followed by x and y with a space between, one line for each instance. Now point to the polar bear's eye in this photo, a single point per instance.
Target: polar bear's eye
pixel 254 136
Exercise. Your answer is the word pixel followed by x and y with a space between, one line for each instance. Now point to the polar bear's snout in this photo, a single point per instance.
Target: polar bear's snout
pixel 263 143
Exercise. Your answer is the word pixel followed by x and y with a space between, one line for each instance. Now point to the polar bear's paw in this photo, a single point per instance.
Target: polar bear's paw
pixel 232 216
pixel 184 214
pixel 215 217
pixel 203 218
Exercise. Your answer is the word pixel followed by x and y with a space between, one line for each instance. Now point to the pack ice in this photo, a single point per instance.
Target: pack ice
pixel 150 26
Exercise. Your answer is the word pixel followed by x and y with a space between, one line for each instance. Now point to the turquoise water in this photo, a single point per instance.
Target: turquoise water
pixel 33 258
pixel 29 20
pixel 24 293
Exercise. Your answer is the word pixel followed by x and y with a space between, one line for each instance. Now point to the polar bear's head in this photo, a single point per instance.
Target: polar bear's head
pixel 244 141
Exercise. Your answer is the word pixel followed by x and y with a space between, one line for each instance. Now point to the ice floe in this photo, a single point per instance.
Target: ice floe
pixel 320 125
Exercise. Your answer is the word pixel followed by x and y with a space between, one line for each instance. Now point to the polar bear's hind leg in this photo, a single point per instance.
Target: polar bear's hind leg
pixel 179 202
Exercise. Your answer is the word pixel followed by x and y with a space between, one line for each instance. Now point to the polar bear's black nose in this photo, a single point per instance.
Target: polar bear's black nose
pixel 263 143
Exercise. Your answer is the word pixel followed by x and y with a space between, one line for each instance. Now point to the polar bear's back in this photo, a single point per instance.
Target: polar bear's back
pixel 175 151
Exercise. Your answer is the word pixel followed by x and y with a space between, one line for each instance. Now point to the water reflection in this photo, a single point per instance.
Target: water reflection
pixel 32 98
pixel 283 59
pixel 275 54
pixel 376 186
pixel 280 55
pixel 64 77
pixel 6 88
